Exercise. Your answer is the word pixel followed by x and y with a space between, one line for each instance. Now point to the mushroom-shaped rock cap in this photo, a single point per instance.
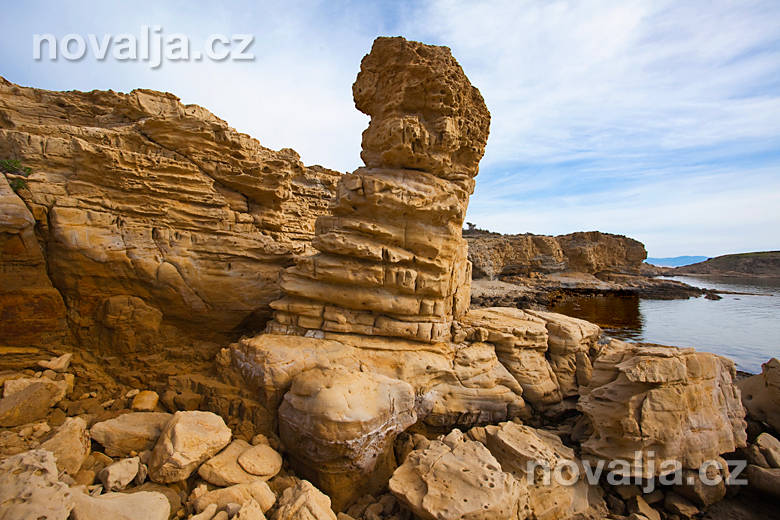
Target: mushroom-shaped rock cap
pixel 425 114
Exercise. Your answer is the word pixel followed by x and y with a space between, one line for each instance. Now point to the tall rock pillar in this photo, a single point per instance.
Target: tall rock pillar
pixel 391 258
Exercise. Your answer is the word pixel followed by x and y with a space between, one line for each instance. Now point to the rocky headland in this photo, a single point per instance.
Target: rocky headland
pixel 764 264
pixel 539 270
pixel 195 326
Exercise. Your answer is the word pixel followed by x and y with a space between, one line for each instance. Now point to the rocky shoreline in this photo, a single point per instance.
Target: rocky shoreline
pixel 247 353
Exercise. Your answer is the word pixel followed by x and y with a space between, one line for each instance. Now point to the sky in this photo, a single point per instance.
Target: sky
pixel 655 119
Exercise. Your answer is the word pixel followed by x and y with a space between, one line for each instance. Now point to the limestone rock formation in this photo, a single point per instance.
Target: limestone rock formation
pixel 257 490
pixel 547 353
pixel 457 479
pixel 135 431
pixel 189 439
pixel 592 252
pixel 70 445
pixel 303 502
pixel 341 425
pixel 676 403
pixel 391 258
pixel 223 469
pixel 32 309
pixel 159 222
pixel 535 458
pixel 459 384
pixel 29 488
pixel 761 394
pixel 144 505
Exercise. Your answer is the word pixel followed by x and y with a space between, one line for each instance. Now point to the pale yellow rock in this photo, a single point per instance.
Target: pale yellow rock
pixel 303 501
pixel 339 427
pixel 224 470
pixel 188 439
pixel 457 479
pixel 145 205
pixel 679 404
pixel 250 510
pixel 585 252
pixel 540 461
pixel 761 394
pixel 144 505
pixel 136 431
pixel 29 488
pixel 391 258
pixel 70 445
pixel 257 490
pixel 261 460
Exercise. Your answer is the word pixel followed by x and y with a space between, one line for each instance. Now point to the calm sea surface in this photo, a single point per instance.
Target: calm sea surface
pixel 744 327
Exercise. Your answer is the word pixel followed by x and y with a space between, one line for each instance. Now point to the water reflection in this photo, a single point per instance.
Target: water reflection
pixel 744 327
pixel 618 314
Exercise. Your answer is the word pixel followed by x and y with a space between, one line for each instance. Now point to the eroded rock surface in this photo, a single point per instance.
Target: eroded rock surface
pixel 761 394
pixel 29 488
pixel 160 223
pixel 676 403
pixel 391 258
pixel 340 427
pixel 592 252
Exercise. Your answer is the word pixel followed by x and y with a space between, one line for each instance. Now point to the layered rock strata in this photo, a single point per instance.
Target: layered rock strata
pixel 158 223
pixel 391 258
pixel 592 252
pixel 664 404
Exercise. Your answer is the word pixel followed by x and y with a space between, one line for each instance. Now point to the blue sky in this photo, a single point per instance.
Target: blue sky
pixel 655 119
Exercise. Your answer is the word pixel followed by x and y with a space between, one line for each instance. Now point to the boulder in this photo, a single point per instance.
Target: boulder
pixel 70 445
pixel 536 458
pixel 188 439
pixel 764 480
pixel 257 490
pixel 145 401
pixel 58 364
pixel 30 490
pixel 303 501
pixel 261 460
pixel 117 476
pixel 339 428
pixel 770 449
pixel 250 510
pixel 144 505
pixel 224 470
pixel 456 479
pixel 29 404
pixel 761 394
pixel 136 431
pixel 665 403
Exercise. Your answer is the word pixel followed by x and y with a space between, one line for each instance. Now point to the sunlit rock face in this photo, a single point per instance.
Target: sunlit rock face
pixel 391 259
pixel 148 223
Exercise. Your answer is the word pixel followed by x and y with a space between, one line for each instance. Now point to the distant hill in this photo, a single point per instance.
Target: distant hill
pixel 676 261
pixel 764 263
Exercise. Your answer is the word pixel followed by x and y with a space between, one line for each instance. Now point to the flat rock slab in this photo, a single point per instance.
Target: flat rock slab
pixel 145 505
pixel 136 431
pixel 29 404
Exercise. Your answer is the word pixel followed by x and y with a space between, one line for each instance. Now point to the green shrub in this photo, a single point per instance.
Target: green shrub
pixel 17 184
pixel 14 166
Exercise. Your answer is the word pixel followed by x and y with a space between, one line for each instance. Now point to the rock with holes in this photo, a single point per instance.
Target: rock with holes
pixel 457 479
pixel 29 489
pixel 664 403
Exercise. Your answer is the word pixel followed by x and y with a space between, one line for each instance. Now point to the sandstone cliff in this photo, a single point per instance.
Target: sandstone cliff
pixel 153 222
pixel 494 255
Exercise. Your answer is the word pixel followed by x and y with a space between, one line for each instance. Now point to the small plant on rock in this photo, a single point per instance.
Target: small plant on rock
pixel 15 167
